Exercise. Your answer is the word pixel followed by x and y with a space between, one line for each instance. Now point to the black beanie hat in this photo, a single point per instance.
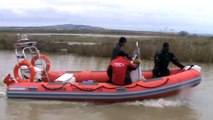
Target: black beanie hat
pixel 165 44
pixel 122 40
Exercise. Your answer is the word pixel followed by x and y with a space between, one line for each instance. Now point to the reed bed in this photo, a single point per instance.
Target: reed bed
pixel 186 48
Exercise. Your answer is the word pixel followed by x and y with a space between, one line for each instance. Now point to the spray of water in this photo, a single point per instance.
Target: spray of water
pixel 159 103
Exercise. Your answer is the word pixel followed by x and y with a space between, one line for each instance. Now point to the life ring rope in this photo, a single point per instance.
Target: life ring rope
pixel 102 86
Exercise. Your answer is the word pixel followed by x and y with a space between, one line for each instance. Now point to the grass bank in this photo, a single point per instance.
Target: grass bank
pixel 186 48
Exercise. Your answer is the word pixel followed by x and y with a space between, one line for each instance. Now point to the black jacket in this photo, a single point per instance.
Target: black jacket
pixel 161 60
pixel 116 50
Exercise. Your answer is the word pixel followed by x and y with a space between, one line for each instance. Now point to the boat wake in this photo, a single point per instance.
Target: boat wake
pixel 158 103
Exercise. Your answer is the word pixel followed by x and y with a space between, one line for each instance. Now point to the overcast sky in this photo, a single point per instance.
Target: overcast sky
pixel 194 16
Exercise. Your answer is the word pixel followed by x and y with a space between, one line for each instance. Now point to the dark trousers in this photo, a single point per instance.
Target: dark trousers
pixel 160 72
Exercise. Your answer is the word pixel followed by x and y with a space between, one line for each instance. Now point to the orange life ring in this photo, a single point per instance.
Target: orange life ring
pixel 30 67
pixel 46 60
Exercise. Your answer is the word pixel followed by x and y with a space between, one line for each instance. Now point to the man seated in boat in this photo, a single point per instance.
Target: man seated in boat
pixel 162 59
pixel 120 68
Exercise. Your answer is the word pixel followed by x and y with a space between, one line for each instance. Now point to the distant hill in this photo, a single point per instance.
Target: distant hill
pixel 55 27
pixel 82 29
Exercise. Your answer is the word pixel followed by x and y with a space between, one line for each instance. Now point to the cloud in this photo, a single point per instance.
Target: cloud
pixel 122 14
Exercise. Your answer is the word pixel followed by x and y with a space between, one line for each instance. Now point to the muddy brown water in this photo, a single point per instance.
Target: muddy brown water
pixel 195 104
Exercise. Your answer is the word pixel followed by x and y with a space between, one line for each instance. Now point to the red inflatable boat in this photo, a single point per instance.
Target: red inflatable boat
pixel 92 86
pixel 88 85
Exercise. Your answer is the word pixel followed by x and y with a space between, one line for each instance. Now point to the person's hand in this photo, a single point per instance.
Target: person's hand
pixel 186 67
pixel 196 67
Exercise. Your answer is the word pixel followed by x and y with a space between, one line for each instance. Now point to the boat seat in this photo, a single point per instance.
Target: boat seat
pixel 67 77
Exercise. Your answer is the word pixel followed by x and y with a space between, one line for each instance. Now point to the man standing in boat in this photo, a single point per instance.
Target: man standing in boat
pixel 119 47
pixel 119 69
pixel 162 59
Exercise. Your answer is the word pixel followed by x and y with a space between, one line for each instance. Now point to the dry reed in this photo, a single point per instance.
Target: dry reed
pixel 186 48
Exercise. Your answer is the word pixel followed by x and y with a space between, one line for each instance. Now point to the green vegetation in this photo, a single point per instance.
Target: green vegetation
pixel 187 48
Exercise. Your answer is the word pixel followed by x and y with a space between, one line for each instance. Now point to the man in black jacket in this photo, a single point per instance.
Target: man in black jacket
pixel 162 59
pixel 119 47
